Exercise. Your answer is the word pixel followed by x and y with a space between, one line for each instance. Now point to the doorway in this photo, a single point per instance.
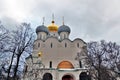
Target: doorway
pixel 47 76
pixel 84 76
pixel 68 77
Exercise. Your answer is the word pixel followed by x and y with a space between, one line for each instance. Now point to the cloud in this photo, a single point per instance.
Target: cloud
pixel 9 23
pixel 113 34
pixel 88 19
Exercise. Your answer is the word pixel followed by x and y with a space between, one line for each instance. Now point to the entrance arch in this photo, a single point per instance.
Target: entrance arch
pixel 68 77
pixel 47 76
pixel 84 76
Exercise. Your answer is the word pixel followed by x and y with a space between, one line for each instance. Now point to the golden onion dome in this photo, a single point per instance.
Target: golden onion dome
pixel 53 27
pixel 65 65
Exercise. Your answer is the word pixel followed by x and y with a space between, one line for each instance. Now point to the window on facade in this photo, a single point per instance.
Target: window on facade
pixel 64 36
pixel 65 44
pixel 33 45
pixel 40 36
pixel 44 37
pixel 80 64
pixel 50 64
pixel 38 44
pixel 26 68
pixel 51 45
pixel 78 45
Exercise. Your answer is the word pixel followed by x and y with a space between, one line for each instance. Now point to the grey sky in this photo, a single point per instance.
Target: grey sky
pixel 88 19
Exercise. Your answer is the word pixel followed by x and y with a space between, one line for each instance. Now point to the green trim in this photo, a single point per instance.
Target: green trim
pixel 35 56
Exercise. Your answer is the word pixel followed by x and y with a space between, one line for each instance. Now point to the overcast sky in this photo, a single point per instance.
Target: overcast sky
pixel 89 20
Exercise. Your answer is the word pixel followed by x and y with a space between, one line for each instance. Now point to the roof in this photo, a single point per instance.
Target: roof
pixel 64 28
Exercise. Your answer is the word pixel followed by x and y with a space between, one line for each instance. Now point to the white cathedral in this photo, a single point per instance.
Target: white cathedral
pixel 55 56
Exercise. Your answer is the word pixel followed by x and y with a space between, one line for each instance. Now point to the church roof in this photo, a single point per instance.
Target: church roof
pixel 64 28
pixel 42 28
pixel 53 27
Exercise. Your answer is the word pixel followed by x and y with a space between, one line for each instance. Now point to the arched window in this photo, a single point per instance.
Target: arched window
pixel 40 36
pixel 38 44
pixel 26 68
pixel 51 45
pixel 64 36
pixel 78 45
pixel 44 37
pixel 80 64
pixel 50 64
pixel 47 76
pixel 65 45
pixel 34 46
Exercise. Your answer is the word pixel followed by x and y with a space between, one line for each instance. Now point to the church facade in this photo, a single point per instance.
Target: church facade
pixel 55 56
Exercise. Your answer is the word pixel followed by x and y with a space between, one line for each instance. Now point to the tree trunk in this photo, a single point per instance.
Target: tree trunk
pixel 99 67
pixel 99 75
pixel 16 67
pixel 10 67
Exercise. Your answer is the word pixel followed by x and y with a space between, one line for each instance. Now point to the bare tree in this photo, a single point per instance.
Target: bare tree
pixel 4 39
pixel 101 58
pixel 4 47
pixel 34 71
pixel 21 44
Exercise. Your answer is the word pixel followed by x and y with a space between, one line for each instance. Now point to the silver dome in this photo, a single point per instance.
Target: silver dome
pixel 42 28
pixel 64 28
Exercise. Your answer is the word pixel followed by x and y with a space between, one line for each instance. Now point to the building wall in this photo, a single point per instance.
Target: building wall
pixel 57 51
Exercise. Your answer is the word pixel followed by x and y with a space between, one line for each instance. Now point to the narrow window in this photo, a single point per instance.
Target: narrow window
pixel 40 36
pixel 26 68
pixel 78 45
pixel 64 36
pixel 51 45
pixel 34 45
pixel 35 75
pixel 38 44
pixel 65 44
pixel 50 64
pixel 80 64
pixel 43 37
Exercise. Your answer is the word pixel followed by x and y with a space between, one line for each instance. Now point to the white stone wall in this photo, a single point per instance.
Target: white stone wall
pixel 58 51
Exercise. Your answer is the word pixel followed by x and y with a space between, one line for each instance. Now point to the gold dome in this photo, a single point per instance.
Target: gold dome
pixel 52 27
pixel 65 65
